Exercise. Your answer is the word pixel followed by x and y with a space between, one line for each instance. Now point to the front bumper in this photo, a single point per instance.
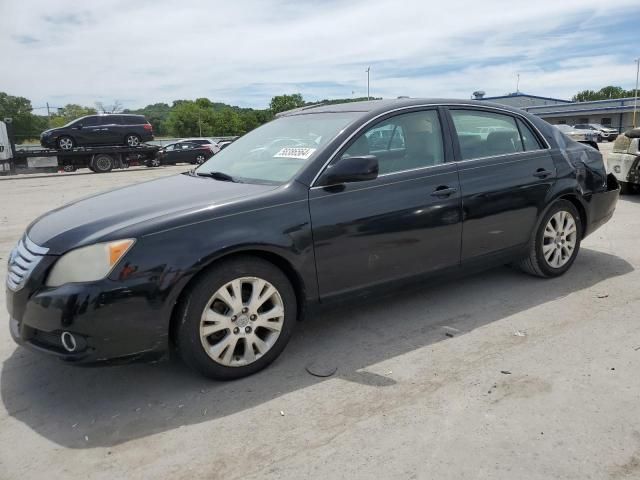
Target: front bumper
pixel 48 142
pixel 109 320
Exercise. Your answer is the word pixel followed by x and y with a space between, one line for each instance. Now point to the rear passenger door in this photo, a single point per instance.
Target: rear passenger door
pixel 111 129
pixel 506 171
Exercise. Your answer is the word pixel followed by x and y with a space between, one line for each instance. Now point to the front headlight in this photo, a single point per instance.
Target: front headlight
pixel 87 264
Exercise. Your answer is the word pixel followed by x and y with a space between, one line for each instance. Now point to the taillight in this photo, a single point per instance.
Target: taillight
pixel 148 127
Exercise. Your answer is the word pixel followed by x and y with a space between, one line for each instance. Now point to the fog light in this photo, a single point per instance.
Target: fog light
pixel 68 342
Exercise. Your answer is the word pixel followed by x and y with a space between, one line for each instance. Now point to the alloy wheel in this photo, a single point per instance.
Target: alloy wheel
pixel 242 321
pixel 133 141
pixel 200 159
pixel 559 239
pixel 65 143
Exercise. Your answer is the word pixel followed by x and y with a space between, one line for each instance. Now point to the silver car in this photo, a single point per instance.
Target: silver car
pixel 582 136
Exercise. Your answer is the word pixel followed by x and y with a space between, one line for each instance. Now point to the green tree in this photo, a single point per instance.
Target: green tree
pixel 69 113
pixel 188 119
pixel 26 125
pixel 605 93
pixel 282 103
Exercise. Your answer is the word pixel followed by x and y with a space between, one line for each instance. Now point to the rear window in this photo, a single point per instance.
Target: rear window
pixel 133 120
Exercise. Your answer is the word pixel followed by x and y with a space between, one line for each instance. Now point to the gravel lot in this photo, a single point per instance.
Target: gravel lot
pixel 497 375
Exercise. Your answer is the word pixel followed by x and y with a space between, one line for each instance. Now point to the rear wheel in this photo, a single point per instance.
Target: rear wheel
pixel 200 159
pixel 102 163
pixel 556 243
pixel 236 319
pixel 66 143
pixel 132 140
pixel 154 162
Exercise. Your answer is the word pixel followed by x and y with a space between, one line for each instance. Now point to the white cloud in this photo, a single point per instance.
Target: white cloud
pixel 244 52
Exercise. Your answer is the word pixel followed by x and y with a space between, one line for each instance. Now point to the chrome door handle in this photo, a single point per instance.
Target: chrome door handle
pixel 542 173
pixel 443 191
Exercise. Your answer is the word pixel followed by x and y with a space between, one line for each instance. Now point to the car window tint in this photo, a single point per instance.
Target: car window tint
pixel 90 121
pixel 170 148
pixel 404 142
pixel 110 120
pixel 485 134
pixel 529 139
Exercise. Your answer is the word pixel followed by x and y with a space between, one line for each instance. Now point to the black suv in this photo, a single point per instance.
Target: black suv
pixel 92 130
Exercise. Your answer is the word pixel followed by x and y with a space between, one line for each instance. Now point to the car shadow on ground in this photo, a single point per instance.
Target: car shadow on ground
pixel 111 405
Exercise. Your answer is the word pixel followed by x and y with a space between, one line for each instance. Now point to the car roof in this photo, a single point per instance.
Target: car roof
pixel 380 106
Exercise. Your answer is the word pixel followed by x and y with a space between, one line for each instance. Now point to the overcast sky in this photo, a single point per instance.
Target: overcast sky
pixel 244 52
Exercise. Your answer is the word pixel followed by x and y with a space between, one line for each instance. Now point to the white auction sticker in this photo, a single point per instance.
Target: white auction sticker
pixel 295 152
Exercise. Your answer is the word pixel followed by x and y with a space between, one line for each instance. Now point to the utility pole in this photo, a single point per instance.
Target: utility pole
pixel 48 115
pixel 368 70
pixel 199 123
pixel 518 84
pixel 635 98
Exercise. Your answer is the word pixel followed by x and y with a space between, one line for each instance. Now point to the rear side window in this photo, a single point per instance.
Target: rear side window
pixel 486 134
pixel 110 120
pixel 529 139
pixel 132 119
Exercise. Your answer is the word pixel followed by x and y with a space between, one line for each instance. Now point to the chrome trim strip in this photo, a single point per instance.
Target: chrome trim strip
pixel 433 105
pixel 24 257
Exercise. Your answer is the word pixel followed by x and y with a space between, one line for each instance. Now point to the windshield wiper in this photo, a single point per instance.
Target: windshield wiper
pixel 218 176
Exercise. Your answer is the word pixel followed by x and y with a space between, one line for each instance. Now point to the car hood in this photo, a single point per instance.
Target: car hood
pixel 145 205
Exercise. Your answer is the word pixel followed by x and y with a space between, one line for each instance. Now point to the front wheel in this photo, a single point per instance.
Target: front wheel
pixel 556 243
pixel 66 143
pixel 236 319
pixel 200 159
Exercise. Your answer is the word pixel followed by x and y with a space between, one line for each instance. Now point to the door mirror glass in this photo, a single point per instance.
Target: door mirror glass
pixel 351 169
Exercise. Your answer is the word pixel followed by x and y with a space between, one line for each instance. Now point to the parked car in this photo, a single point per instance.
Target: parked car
pixel 221 262
pixel 224 144
pixel 624 160
pixel 203 141
pixel 182 152
pixel 606 133
pixel 583 136
pixel 94 130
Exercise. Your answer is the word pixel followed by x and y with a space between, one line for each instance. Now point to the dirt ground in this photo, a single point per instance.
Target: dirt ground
pixel 494 376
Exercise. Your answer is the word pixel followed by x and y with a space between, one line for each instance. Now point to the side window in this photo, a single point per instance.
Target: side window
pixel 110 120
pixel 404 142
pixel 170 148
pixel 90 121
pixel 529 140
pixel 485 134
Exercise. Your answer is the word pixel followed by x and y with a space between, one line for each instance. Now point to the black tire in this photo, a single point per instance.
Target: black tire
pixel 535 263
pixel 190 309
pixel 132 140
pixel 153 163
pixel 626 188
pixel 66 143
pixel 102 163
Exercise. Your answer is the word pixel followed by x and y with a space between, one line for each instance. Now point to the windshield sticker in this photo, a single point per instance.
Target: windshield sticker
pixel 302 153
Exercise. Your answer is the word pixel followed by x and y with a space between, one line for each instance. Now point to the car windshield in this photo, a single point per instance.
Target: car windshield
pixel 276 151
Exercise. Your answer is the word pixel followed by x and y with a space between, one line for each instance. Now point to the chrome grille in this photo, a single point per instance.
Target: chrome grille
pixel 22 260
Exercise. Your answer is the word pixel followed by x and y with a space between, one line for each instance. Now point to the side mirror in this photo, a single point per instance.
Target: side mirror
pixel 351 169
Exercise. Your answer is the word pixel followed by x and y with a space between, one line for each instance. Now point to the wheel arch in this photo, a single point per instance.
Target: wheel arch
pixel 275 259
pixel 573 198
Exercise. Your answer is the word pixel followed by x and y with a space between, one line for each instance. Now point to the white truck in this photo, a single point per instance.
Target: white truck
pixel 624 161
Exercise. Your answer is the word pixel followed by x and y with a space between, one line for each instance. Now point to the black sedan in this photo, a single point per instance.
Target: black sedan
pixel 182 152
pixel 320 203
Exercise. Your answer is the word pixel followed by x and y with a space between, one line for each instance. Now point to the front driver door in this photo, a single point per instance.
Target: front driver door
pixel 405 222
